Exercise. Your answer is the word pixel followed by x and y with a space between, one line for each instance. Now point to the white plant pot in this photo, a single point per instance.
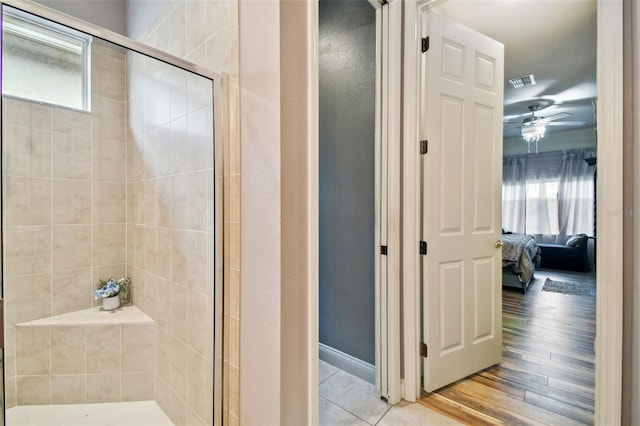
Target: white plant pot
pixel 110 303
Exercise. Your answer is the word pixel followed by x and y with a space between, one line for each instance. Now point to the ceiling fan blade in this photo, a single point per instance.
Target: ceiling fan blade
pixel 567 123
pixel 558 116
pixel 508 129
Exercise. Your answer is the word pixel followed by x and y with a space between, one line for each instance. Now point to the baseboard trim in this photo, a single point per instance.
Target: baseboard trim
pixel 347 363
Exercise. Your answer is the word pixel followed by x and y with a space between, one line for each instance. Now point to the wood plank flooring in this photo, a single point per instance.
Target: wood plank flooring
pixel 547 374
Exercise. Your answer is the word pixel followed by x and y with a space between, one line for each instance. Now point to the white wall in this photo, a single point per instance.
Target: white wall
pixel 109 14
pixel 141 14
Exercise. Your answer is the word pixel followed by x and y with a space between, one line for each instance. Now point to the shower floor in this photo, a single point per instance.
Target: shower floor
pixel 141 413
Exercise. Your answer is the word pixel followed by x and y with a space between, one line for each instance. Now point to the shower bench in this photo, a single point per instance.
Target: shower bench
pixel 87 356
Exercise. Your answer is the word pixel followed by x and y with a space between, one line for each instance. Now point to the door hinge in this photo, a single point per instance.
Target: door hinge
pixel 424 351
pixel 424 146
pixel 383 250
pixel 423 247
pixel 425 44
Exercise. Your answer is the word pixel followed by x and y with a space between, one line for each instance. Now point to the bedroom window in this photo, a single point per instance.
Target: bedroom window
pixel 45 62
pixel 542 207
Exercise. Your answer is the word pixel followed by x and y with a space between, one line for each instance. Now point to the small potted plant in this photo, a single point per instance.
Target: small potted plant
pixel 109 291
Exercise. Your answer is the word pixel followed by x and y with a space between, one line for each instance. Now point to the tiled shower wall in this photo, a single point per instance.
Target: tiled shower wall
pixel 170 226
pixel 205 32
pixel 64 211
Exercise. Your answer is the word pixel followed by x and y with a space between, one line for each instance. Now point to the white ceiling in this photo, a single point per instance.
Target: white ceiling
pixel 553 39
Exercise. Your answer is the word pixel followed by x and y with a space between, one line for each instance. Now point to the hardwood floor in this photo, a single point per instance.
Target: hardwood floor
pixel 547 374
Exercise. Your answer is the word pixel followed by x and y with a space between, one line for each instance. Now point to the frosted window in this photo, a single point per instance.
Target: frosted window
pixel 44 62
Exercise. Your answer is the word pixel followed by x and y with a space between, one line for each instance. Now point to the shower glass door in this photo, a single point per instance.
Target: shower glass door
pixel 107 173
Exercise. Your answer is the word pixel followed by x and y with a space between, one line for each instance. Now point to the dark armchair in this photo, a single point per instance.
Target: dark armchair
pixel 570 256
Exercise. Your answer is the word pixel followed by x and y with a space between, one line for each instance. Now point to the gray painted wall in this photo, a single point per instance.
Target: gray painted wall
pixel 347 125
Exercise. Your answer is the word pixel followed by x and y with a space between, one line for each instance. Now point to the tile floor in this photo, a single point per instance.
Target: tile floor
pixel 141 413
pixel 349 400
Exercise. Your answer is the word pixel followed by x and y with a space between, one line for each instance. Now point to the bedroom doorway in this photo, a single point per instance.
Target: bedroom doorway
pixel 564 358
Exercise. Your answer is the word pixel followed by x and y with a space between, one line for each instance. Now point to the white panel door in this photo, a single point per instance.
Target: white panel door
pixel 461 117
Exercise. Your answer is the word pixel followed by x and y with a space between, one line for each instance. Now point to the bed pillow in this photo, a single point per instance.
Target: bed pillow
pixel 576 240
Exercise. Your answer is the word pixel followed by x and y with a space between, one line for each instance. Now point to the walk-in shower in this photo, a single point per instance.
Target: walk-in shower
pixel 110 169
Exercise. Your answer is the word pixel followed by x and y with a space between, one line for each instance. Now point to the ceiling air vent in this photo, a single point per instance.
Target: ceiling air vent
pixel 524 81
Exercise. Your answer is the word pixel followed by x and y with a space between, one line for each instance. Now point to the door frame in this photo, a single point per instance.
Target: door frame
pixel 608 344
pixel 387 203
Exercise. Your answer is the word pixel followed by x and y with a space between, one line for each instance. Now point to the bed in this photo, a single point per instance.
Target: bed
pixel 520 258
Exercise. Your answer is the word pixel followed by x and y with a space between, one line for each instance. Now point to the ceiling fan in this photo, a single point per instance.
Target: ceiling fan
pixel 533 127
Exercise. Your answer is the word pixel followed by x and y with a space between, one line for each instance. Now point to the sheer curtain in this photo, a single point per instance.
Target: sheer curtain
pixel 576 193
pixel 514 194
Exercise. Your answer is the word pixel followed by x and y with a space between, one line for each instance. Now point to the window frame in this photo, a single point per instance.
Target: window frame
pixel 63 33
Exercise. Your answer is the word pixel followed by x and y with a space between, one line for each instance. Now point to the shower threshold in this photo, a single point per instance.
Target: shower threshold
pixel 139 413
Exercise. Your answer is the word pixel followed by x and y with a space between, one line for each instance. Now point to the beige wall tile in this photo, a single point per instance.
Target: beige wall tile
pixel 137 386
pixel 103 349
pixel 163 303
pixel 198 394
pixel 33 390
pixel 109 161
pixel 163 201
pixel 71 290
pixel 179 160
pixel 27 250
pixel 68 389
pixel 164 355
pixel 150 248
pixel 109 202
pixel 10 351
pixel 135 169
pixel 103 388
pixel 197 321
pixel 149 203
pixel 179 311
pixel 104 48
pixel 10 393
pixel 73 122
pixel 197 261
pixel 41 116
pixel 218 51
pixel 109 244
pixel 198 190
pixel 17 112
pixel 179 194
pixel 67 350
pixel 108 76
pixel 108 119
pixel 27 201
pixel 177 26
pixel 139 348
pixel 164 395
pixel 178 374
pixel 193 419
pixel 217 16
pixel 178 413
pixel 199 95
pixel 71 202
pixel 71 247
pixel 71 156
pixel 27 152
pixel 28 297
pixel 179 255
pixel 33 350
pixel 163 267
pixel 164 148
